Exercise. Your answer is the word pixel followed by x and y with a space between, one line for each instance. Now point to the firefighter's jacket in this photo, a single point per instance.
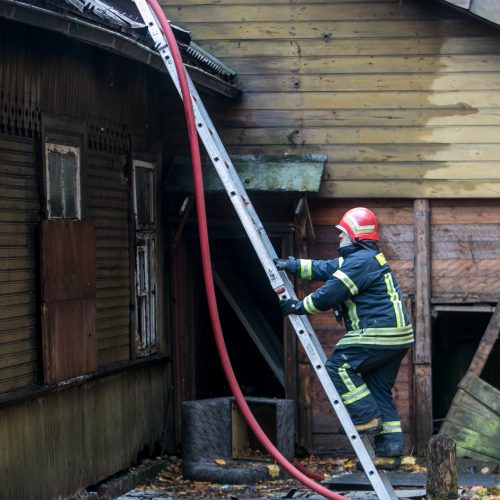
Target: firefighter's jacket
pixel 362 282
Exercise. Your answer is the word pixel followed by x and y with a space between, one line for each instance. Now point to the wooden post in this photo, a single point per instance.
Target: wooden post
pixel 442 479
pixel 422 325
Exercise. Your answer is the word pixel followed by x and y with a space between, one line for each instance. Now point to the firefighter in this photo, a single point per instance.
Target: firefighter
pixel 362 289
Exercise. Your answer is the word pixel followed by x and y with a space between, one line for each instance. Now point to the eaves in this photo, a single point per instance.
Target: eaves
pixel 124 37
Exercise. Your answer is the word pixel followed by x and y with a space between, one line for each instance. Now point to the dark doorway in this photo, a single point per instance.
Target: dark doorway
pixel 253 373
pixel 455 338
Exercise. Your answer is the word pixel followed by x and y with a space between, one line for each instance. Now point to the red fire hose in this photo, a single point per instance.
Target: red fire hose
pixel 207 268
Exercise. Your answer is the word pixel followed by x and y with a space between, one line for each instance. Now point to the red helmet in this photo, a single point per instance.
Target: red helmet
pixel 360 224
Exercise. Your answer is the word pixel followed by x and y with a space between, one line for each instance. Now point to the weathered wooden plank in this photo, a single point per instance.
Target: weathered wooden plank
pixel 18 347
pixel 444 45
pixel 473 440
pixel 475 250
pixel 469 232
pixel 123 309
pixel 19 216
pixel 422 170
pixel 339 29
pixel 369 82
pixel 485 393
pixel 411 189
pixel 432 66
pixel 248 118
pixel 370 100
pixel 467 212
pixel 18 335
pixel 465 268
pixel 298 13
pixel 481 355
pixel 383 152
pixel 365 135
pixel 29 309
pixel 422 324
pixel 113 355
pixel 112 322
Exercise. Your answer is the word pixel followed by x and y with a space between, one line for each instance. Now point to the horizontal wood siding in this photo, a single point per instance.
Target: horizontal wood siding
pixel 465 249
pixel 19 218
pixel 396 241
pixel 60 443
pixel 404 97
pixel 108 209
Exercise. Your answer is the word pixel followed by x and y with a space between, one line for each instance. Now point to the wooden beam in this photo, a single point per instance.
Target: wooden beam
pixel 422 325
pixel 486 344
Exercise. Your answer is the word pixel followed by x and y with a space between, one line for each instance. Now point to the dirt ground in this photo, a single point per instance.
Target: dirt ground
pixel 169 484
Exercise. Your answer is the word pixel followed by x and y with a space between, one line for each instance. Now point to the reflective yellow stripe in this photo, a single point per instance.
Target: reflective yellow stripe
pixel 347 281
pixel 352 396
pixel 341 261
pixel 389 427
pixel 306 268
pixel 381 259
pixel 309 306
pixel 396 303
pixel 408 339
pixel 353 313
pixel 345 377
pixel 382 332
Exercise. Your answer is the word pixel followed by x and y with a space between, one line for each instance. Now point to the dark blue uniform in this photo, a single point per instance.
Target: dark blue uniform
pixel 366 360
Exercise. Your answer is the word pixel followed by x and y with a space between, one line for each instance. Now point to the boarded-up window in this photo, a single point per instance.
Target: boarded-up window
pixel 68 299
pixel 63 181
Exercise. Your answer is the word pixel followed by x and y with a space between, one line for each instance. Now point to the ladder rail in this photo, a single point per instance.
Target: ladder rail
pixel 265 251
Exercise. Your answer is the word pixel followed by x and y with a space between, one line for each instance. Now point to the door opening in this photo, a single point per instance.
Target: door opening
pixel 455 338
pixel 253 372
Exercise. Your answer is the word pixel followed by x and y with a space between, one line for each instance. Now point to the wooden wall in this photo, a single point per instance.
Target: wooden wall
pixel 58 444
pixel 19 218
pixel 57 440
pixel 404 97
pixel 465 246
pixel 108 209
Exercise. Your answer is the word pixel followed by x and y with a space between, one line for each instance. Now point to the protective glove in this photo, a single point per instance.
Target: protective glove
pixel 291 306
pixel 289 264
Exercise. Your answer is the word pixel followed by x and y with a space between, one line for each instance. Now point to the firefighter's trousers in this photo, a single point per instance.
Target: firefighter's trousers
pixel 364 378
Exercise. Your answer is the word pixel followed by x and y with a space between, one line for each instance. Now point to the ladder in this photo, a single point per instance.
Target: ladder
pixel 266 254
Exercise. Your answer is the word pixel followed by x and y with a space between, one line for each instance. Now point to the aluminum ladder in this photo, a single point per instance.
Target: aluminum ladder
pixel 266 254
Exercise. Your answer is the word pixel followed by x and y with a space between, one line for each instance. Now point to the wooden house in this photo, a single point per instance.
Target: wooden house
pixel 404 99
pixel 85 351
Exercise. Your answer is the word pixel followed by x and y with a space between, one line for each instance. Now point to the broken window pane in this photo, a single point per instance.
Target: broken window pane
pixel 55 185
pixel 69 183
pixel 143 193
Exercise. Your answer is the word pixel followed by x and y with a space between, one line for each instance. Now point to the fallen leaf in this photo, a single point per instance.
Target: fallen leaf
pixel 274 470
pixel 408 461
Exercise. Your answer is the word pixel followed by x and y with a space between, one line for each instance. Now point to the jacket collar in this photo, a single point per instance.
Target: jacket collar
pixel 355 247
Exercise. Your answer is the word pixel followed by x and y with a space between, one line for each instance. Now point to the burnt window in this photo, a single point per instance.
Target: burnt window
pixel 63 181
pixel 144 194
pixel 145 272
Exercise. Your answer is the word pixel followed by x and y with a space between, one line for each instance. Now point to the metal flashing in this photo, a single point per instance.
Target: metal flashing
pixel 301 173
